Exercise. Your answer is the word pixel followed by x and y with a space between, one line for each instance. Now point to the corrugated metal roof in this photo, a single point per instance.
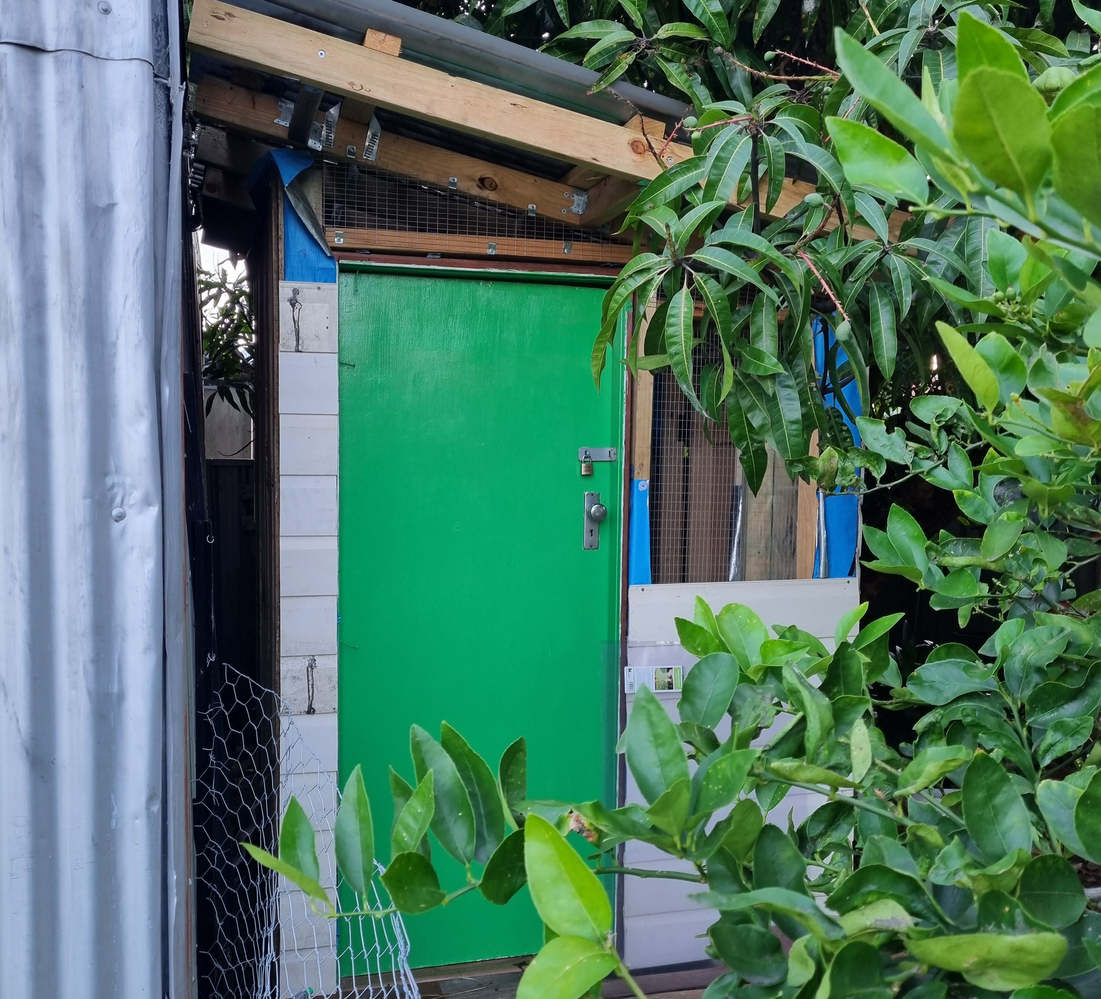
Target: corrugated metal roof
pixel 93 833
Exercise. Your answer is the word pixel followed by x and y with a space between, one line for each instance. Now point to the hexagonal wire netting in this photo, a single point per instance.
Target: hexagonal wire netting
pixel 257 936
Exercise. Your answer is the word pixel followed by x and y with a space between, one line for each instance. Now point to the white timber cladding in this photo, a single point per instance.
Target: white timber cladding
pixel 661 925
pixel 308 471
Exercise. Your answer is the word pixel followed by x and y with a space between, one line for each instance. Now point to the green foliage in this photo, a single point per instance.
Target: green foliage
pixel 228 340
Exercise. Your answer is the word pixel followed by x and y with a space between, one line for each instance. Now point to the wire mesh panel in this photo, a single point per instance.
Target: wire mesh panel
pixel 705 524
pixel 377 210
pixel 260 938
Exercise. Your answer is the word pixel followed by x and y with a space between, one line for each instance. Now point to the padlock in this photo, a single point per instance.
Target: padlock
pixel 586 464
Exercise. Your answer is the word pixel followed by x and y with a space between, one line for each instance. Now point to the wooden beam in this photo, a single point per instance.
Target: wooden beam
pixel 806 522
pixel 477 246
pixel 229 151
pixel 352 71
pixel 254 113
pixel 643 422
pixel 609 199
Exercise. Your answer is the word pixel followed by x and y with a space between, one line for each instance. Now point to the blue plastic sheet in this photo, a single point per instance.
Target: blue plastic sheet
pixel 304 259
pixel 638 554
pixel 841 514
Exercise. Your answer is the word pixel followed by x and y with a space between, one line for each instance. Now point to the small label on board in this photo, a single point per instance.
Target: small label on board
pixel 657 678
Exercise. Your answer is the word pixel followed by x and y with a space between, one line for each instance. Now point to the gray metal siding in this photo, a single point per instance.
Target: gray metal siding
pixel 93 769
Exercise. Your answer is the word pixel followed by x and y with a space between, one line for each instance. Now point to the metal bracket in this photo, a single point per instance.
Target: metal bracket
pixel 322 134
pixel 531 211
pixel 567 247
pixel 452 183
pixel 286 108
pixel 370 143
pixel 491 249
pixel 580 201
pixel 597 454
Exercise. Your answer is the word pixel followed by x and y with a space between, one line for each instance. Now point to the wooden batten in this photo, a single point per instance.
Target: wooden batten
pixel 382 42
pixel 396 241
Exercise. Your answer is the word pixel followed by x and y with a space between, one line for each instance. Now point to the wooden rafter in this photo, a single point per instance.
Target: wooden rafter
pixel 254 113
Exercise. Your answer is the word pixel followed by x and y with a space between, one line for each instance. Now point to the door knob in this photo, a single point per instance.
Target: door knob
pixel 595 514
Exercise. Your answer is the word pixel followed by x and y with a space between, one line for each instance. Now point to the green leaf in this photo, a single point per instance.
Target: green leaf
pixel 307 884
pixel 670 812
pixel 1076 139
pixel 1051 892
pixel 711 15
pixel 993 961
pixel 1052 701
pixel 765 11
pixel 876 883
pixel 513 773
pixel 411 823
pixel 453 815
pixel 893 446
pixel 970 364
pixel 477 778
pixel 870 159
pixel 1057 801
pixel 885 914
pixel 743 633
pixel 1087 819
pixel 860 749
pixel 1000 122
pixel 800 907
pixel 567 895
pixel 354 835
pixel 993 810
pixel 1006 363
pixel 1088 14
pixel 981 44
pixel 857 973
pixel 728 263
pixel 777 863
pixel 892 98
pixel 814 705
pixel 296 841
pixel 752 454
pixel 807 773
pixel 1062 737
pixel 708 688
pixel 881 313
pixel 566 968
pixel 695 639
pixel 719 781
pixel 752 951
pixel 1086 87
pixel 1000 537
pixel 412 883
pixel 679 342
pixel 849 620
pixel 505 875
pixel 929 766
pixel 655 754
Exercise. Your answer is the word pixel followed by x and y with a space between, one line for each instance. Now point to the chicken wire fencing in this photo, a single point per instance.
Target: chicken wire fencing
pixel 381 211
pixel 257 936
pixel 706 525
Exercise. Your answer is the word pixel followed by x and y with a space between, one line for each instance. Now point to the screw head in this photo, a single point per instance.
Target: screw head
pixel 118 514
pixel 320 53
pixel 104 7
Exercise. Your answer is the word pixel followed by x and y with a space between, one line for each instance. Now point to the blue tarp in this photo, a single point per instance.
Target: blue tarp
pixel 840 513
pixel 304 259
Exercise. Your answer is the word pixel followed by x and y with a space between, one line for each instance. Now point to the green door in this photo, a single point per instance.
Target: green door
pixel 465 592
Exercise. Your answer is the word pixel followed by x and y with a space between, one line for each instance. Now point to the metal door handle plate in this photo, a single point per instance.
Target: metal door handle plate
pixel 595 513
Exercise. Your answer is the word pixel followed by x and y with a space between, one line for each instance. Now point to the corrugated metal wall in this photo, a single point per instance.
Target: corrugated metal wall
pixel 93 769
